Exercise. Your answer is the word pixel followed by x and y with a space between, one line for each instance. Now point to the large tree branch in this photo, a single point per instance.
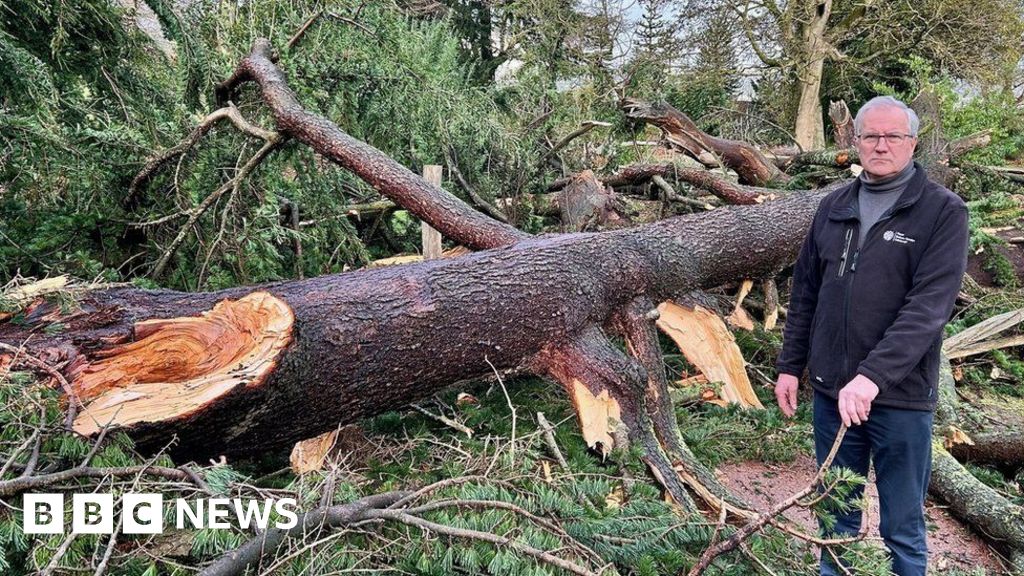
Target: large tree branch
pixel 683 134
pixel 229 112
pixel 451 216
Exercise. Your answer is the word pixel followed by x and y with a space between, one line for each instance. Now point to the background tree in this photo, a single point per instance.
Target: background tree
pixel 977 41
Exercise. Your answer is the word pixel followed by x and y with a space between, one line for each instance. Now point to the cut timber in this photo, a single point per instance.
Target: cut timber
pixel 309 455
pixel 599 416
pixel 707 344
pixel 178 366
pixel 431 238
pixel 977 338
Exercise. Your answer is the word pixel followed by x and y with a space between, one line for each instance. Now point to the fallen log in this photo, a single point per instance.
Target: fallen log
pixel 1002 449
pixel 970 499
pixel 251 369
pixel 237 371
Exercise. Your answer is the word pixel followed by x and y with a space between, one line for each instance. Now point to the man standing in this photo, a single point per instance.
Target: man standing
pixel 873 287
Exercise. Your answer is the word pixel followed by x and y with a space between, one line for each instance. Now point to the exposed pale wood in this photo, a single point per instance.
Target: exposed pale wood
pixel 309 455
pixel 739 317
pixel 975 340
pixel 955 436
pixel 400 259
pixel 599 415
pixel 431 238
pixel 706 343
pixel 988 346
pixel 771 304
pixel 177 366
pixel 842 123
pixel 22 295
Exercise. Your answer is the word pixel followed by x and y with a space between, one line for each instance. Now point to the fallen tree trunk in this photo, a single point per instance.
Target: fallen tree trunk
pixel 246 370
pixel 1005 449
pixel 360 343
pixel 977 504
pixel 970 499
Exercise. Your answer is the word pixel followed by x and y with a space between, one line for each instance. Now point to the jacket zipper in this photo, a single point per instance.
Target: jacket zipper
pixel 846 252
pixel 849 285
pixel 846 302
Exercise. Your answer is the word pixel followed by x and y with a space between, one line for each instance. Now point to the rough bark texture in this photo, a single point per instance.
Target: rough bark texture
pixel 681 133
pixel 453 217
pixel 1000 448
pixel 976 503
pixel 970 499
pixel 368 341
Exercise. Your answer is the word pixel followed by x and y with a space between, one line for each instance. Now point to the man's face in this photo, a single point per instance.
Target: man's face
pixel 883 157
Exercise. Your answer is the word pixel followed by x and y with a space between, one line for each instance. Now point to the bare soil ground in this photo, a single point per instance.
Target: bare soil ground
pixel 952 545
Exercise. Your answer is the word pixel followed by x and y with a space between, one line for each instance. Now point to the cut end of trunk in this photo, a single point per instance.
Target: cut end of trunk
pixel 599 415
pixel 177 366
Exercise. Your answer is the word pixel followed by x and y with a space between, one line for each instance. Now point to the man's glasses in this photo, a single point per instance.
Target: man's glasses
pixel 872 139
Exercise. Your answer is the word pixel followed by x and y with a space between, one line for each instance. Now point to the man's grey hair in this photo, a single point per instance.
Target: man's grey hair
pixel 887 102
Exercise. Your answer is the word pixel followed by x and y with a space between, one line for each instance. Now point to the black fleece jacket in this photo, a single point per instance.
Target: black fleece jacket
pixel 877 309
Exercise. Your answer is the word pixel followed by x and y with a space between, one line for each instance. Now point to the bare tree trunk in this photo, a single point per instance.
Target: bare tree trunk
pixel 810 129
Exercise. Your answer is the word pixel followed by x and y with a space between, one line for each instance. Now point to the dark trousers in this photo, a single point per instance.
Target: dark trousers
pixel 900 443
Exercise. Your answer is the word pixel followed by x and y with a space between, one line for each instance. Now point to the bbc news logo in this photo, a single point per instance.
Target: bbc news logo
pixel 144 513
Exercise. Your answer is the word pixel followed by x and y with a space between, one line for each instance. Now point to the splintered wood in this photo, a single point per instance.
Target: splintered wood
pixel 706 342
pixel 599 415
pixel 21 296
pixel 309 455
pixel 177 366
pixel 980 338
pixel 739 317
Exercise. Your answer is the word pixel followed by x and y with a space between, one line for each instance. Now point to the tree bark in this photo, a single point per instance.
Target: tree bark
pixel 1005 449
pixel 251 369
pixel 970 499
pixel 368 341
pixel 810 127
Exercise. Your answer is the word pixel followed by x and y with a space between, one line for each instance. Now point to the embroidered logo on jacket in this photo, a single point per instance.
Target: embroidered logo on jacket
pixel 900 237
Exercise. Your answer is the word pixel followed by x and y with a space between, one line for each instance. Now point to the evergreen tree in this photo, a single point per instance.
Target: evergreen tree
pixel 655 36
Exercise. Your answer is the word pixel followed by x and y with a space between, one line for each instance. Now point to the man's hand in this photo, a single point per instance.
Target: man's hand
pixel 785 393
pixel 855 400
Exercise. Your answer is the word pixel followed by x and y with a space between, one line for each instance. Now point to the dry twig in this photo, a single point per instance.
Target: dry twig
pixel 768 517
